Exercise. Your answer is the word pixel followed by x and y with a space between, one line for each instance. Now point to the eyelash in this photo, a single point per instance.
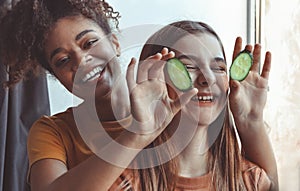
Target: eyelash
pixel 217 69
pixel 86 46
pixel 89 43
pixel 191 68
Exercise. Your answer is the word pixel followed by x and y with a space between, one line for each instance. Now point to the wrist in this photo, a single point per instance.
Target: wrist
pixel 250 125
pixel 135 140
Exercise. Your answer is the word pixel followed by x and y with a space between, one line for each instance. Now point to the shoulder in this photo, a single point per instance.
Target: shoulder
pixel 255 177
pixel 47 138
pixel 51 123
pixel 49 130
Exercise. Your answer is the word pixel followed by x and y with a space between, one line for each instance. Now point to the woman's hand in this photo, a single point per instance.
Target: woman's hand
pixel 248 98
pixel 151 108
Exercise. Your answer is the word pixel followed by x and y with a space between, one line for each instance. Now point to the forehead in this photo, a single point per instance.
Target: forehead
pixel 201 44
pixel 67 28
pixel 75 22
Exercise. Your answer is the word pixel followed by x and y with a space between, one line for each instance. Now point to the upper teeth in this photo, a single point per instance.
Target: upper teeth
pixel 203 98
pixel 92 74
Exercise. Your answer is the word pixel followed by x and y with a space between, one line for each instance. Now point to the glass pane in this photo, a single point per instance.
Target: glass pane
pixel 282 37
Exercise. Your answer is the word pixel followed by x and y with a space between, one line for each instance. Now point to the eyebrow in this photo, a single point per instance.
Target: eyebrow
pixel 220 59
pixel 189 57
pixel 78 37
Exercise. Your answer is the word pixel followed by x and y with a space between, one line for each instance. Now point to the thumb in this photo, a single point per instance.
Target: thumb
pixel 130 75
pixel 181 101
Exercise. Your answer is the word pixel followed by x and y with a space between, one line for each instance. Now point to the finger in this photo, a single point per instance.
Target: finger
pixel 248 47
pixel 130 75
pixel 156 56
pixel 156 71
pixel 256 58
pixel 168 56
pixel 145 65
pixel 237 47
pixel 183 100
pixel 234 87
pixel 267 66
pixel 164 51
pixel 142 71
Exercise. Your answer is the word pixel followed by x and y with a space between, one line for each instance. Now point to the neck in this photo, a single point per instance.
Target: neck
pixel 193 160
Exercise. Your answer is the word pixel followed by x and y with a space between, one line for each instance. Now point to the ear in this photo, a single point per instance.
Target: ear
pixel 116 44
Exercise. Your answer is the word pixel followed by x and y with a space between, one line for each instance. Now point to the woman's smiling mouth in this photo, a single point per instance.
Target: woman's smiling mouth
pixel 200 98
pixel 92 75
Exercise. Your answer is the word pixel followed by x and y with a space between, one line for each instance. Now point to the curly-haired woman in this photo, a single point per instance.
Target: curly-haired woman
pixel 73 40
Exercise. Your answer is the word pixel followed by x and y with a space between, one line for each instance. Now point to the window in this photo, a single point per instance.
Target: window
pixel 281 35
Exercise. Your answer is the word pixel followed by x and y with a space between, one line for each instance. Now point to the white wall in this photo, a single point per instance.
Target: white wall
pixel 228 18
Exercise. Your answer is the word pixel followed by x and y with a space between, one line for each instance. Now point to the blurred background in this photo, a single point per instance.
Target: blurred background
pixel 273 23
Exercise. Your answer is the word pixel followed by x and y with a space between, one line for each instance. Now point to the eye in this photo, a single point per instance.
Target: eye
pixel 219 69
pixel 191 68
pixel 88 44
pixel 219 65
pixel 62 61
pixel 189 65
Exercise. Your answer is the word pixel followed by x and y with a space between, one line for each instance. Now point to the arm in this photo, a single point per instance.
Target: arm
pixel 247 100
pixel 92 174
pixel 97 174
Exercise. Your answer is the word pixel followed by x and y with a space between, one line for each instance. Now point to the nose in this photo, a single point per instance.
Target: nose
pixel 205 78
pixel 81 59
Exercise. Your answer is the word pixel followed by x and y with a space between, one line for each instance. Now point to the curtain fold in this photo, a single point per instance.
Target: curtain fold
pixel 20 107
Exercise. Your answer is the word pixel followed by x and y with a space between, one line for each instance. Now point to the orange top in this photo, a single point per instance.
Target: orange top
pixel 57 137
pixel 254 177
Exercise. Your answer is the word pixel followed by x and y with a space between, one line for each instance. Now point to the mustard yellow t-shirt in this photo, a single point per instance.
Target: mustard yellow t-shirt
pixel 57 137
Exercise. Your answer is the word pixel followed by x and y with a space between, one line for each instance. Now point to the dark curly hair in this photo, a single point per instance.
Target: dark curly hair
pixel 24 28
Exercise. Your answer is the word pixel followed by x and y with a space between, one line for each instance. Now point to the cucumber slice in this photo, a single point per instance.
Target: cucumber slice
pixel 178 74
pixel 241 65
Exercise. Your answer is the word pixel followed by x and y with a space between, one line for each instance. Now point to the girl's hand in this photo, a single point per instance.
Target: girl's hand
pixel 247 98
pixel 151 108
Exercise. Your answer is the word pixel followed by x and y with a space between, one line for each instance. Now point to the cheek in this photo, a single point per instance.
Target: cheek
pixel 65 78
